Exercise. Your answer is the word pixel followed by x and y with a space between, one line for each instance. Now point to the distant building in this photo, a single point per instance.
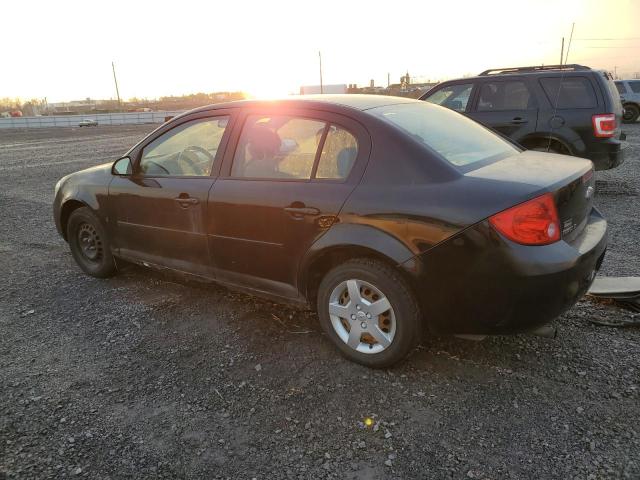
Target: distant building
pixel 315 89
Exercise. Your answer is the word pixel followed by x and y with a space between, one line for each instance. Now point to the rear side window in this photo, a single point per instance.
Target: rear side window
pixel 569 92
pixel 635 86
pixel 455 97
pixel 621 88
pixel 338 154
pixel 458 139
pixel 496 96
pixel 287 147
pixel 277 147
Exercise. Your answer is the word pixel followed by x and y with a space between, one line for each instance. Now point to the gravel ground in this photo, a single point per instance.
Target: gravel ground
pixel 146 376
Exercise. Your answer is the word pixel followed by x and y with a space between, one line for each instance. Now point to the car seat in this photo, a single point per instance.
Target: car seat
pixel 345 160
pixel 263 145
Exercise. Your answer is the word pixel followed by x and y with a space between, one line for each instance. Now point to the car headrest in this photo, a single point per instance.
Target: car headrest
pixel 263 143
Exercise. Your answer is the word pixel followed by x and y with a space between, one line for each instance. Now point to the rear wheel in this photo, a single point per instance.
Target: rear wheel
pixel 89 244
pixel 631 113
pixel 550 149
pixel 369 312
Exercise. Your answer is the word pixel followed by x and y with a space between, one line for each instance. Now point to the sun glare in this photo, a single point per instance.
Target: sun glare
pixel 269 91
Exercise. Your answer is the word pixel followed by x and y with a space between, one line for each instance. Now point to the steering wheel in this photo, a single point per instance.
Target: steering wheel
pixel 197 165
pixel 156 165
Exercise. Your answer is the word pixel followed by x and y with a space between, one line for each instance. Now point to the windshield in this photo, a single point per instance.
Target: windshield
pixel 459 140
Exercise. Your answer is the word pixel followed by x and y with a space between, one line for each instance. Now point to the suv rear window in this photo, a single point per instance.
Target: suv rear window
pixel 621 88
pixel 635 86
pixel 576 92
pixel 459 140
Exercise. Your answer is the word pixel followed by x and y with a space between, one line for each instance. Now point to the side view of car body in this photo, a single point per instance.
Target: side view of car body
pixel 568 109
pixel 87 122
pixel 630 96
pixel 387 215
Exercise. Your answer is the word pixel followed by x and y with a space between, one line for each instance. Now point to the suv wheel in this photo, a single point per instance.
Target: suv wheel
pixel 631 113
pixel 369 312
pixel 89 244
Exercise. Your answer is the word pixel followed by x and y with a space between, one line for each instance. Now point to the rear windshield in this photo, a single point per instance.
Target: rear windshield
pixel 459 140
pixel 620 87
pixel 575 92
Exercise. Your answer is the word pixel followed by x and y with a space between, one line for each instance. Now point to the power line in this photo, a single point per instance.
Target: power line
pixel 610 46
pixel 607 39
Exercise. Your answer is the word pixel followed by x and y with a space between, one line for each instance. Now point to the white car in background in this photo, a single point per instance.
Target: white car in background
pixel 87 122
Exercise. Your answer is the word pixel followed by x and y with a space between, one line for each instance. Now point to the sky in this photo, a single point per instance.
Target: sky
pixel 62 50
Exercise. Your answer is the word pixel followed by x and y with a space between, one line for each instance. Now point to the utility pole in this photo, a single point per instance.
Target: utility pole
pixel 113 67
pixel 388 79
pixel 320 58
pixel 562 51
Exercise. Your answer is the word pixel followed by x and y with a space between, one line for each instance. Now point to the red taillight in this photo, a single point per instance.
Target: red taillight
pixel 531 223
pixel 604 125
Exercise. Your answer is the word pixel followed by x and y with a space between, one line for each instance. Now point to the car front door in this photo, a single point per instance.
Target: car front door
pixel 279 190
pixel 159 210
pixel 508 106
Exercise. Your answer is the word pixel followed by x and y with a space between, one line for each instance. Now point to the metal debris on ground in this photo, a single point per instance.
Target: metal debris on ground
pixel 620 291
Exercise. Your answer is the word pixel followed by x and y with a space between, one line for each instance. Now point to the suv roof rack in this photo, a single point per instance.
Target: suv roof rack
pixel 540 68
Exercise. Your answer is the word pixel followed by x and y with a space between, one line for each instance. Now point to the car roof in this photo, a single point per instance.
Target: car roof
pixel 353 101
pixel 523 74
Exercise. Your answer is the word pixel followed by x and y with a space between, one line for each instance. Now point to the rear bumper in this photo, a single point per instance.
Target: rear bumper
pixel 607 155
pixel 482 283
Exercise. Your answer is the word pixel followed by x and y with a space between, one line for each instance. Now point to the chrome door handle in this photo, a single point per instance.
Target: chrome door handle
pixel 186 201
pixel 302 211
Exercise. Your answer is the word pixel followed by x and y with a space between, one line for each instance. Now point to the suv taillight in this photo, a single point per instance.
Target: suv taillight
pixel 534 222
pixel 604 125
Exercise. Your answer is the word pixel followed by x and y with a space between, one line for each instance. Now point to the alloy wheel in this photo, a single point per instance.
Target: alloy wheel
pixel 362 316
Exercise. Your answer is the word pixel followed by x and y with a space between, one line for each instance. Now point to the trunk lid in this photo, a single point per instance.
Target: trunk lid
pixel 570 179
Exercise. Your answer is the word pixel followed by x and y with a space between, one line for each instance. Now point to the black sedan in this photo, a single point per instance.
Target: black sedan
pixel 387 215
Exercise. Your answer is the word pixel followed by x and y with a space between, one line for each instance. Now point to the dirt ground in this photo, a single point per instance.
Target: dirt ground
pixel 146 376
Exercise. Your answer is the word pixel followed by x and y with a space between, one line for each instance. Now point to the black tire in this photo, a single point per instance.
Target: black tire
pixel 404 309
pixel 89 243
pixel 631 113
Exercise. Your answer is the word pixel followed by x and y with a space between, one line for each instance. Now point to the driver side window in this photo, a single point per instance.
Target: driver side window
pixel 187 150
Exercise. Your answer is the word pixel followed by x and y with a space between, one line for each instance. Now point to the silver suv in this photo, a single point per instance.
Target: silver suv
pixel 630 95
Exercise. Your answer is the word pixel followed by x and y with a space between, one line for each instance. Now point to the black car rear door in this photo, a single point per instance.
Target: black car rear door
pixel 280 189
pixel 506 105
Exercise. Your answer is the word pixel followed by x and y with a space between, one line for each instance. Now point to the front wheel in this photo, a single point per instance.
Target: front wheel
pixel 369 312
pixel 89 243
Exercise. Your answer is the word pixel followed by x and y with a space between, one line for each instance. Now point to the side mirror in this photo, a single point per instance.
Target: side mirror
pixel 122 166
